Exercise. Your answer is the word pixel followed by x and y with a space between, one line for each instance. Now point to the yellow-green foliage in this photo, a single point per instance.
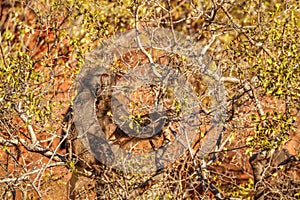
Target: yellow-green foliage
pixel 43 44
pixel 268 56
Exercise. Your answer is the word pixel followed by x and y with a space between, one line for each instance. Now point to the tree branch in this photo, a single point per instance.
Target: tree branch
pixel 26 175
pixel 33 148
pixel 25 120
pixel 152 64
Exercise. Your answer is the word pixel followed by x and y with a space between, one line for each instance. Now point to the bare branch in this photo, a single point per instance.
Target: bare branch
pixel 249 88
pixel 33 148
pixel 141 46
pixel 25 120
pixel 26 175
pixel 241 30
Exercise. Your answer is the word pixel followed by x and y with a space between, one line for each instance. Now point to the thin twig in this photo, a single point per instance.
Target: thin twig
pixel 2 53
pixel 152 64
pixel 171 21
pixel 26 121
pixel 26 175
pixel 260 110
pixel 239 29
pixel 53 155
pixel 208 45
pixel 249 88
pixel 33 148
